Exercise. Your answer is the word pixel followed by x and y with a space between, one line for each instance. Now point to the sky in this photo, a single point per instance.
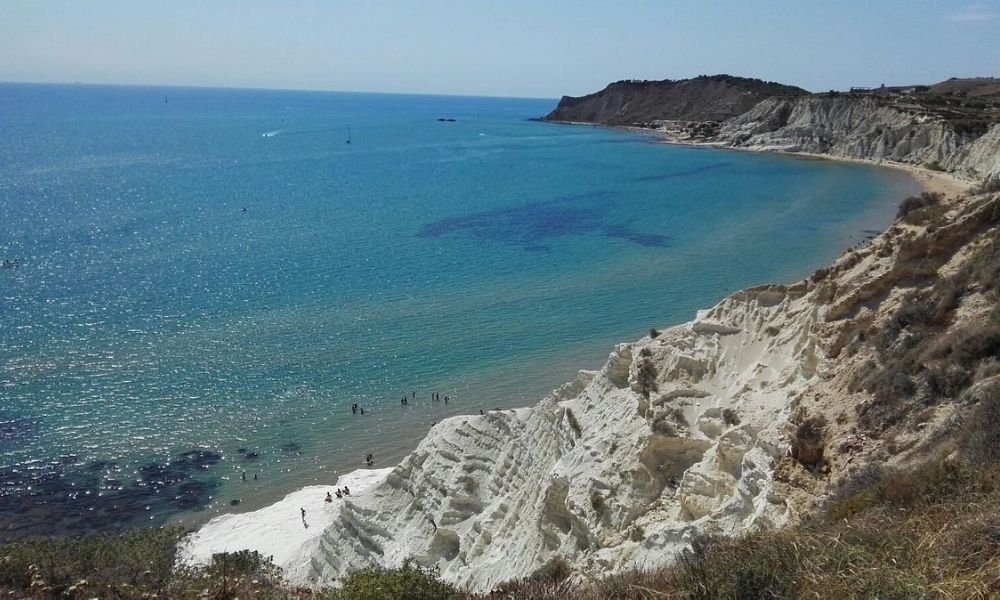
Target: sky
pixel 524 48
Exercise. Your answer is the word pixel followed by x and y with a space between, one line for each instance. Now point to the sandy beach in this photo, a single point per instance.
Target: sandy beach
pixel 279 530
pixel 932 181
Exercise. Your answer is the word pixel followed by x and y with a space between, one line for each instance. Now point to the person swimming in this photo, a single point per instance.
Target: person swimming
pixel 347 492
pixel 329 497
pixel 339 495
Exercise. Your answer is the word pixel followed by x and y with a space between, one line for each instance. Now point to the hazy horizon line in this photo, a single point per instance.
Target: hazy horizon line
pixel 263 89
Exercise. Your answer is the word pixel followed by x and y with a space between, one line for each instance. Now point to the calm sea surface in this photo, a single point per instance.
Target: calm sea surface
pixel 207 280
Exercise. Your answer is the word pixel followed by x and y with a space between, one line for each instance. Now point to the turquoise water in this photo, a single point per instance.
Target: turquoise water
pixel 208 279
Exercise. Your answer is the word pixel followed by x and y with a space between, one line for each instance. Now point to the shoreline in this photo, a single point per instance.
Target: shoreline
pixel 931 181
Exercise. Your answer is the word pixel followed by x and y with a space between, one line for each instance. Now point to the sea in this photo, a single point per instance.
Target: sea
pixel 201 283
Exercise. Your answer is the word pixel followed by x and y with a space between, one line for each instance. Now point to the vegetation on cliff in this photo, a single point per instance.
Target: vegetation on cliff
pixel 929 532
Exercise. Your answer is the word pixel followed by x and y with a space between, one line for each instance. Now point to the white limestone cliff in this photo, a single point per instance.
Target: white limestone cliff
pixel 596 473
pixel 865 128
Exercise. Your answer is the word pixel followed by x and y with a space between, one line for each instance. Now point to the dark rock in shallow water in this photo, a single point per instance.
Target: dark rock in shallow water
pixel 61 497
pixel 190 494
pixel 201 459
pixel 532 225
pixel 234 502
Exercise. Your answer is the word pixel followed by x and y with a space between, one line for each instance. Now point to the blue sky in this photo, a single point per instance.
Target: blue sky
pixel 503 48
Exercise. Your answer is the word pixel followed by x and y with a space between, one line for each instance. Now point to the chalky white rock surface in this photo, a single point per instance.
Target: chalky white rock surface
pixel 595 473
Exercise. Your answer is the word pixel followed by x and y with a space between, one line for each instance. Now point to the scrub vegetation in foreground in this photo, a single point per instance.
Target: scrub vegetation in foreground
pixel 930 532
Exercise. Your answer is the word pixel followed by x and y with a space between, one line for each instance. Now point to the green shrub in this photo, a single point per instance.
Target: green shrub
pixel 120 564
pixel 646 373
pixel 408 582
pixel 555 569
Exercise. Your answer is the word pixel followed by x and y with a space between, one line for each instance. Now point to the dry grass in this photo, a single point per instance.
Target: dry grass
pixel 929 533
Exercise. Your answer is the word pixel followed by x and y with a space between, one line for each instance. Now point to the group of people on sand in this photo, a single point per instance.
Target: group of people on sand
pixel 340 494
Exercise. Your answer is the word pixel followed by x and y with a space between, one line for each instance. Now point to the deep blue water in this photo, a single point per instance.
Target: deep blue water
pixel 208 279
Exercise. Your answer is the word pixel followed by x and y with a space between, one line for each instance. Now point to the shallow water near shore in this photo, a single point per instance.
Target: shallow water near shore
pixel 207 280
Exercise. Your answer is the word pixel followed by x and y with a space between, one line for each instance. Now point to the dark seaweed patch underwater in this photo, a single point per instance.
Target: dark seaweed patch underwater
pixel 532 225
pixel 65 496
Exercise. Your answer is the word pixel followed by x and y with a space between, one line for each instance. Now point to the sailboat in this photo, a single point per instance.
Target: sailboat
pixel 348 135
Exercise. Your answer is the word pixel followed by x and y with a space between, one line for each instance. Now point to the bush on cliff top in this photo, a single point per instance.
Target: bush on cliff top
pixel 119 565
pixel 408 582
pixel 916 209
